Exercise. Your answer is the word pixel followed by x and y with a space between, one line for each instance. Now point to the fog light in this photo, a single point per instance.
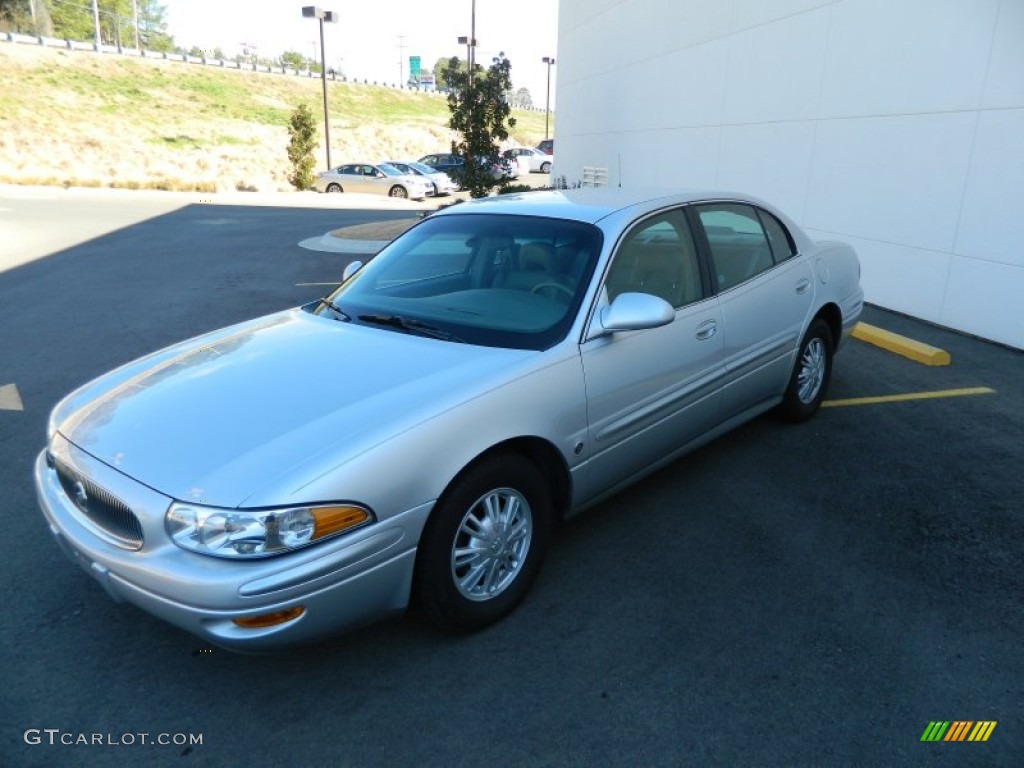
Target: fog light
pixel 269 619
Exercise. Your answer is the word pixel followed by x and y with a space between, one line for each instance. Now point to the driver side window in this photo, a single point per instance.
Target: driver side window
pixel 657 256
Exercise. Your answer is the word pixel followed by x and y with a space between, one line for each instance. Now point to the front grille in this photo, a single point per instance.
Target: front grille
pixel 105 510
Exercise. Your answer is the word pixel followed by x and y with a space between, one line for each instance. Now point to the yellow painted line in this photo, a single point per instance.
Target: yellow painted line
pixel 901 345
pixel 10 400
pixel 936 394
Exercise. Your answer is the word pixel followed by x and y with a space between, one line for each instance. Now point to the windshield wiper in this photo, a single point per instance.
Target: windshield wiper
pixel 412 326
pixel 337 310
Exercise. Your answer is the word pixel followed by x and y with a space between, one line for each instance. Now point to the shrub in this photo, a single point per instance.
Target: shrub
pixel 302 130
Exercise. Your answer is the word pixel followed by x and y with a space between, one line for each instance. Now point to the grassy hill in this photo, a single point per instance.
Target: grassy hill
pixel 82 119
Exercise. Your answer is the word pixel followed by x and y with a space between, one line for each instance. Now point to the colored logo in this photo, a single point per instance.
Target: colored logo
pixel 958 730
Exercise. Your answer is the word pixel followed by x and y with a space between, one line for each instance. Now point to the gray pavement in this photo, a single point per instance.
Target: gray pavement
pixel 806 595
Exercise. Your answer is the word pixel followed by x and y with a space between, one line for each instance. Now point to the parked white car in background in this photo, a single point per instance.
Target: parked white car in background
pixel 535 160
pixel 443 183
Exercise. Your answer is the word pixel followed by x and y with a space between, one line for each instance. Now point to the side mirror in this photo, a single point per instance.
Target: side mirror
pixel 350 269
pixel 636 312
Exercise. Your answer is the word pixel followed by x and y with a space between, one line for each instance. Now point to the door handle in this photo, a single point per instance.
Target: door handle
pixel 707 329
pixel 803 285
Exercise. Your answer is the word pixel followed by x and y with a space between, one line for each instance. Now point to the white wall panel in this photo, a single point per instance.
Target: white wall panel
pixel 750 13
pixel 985 298
pixel 896 179
pixel 887 270
pixel 1004 86
pixel 679 157
pixel 684 23
pixel 698 77
pixel 894 125
pixel 775 70
pixel 576 14
pixel 992 221
pixel 772 161
pixel 908 56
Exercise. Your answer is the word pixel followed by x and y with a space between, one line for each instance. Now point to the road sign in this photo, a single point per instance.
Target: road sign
pixel 414 68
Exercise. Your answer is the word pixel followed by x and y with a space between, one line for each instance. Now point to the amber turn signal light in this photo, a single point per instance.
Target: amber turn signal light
pixel 331 520
pixel 270 619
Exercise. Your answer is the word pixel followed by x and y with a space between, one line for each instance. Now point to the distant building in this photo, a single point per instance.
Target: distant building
pixel 894 126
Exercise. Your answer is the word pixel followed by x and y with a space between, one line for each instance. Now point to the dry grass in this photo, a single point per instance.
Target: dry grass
pixel 74 118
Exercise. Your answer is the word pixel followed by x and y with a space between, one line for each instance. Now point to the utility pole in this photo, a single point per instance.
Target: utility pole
pixel 135 19
pixel 401 58
pixel 96 24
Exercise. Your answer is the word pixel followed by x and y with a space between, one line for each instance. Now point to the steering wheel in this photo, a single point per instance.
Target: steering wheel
pixel 557 286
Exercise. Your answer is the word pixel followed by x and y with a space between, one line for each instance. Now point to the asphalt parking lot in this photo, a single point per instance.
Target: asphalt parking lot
pixel 808 595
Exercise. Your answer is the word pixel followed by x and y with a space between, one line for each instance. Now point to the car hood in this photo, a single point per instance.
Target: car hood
pixel 217 417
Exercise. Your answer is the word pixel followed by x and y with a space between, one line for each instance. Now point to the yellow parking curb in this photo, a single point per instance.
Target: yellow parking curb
pixel 901 345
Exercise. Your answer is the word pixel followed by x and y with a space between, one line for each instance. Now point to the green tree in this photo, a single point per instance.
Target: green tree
pixel 302 130
pixel 481 115
pixel 522 98
pixel 153 27
pixel 26 18
pixel 73 20
pixel 293 60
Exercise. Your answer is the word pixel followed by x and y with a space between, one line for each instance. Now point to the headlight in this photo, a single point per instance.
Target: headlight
pixel 240 533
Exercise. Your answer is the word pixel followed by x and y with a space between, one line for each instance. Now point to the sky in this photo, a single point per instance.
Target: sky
pixel 365 43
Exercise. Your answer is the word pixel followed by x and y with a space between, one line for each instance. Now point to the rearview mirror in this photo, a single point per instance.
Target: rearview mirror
pixel 350 269
pixel 636 312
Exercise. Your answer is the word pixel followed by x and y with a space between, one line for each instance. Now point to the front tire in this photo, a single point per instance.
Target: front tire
pixel 811 374
pixel 545 167
pixel 484 544
pixel 334 188
pixel 399 192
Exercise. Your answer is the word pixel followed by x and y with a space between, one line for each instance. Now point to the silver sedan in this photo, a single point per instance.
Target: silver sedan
pixel 414 435
pixel 374 178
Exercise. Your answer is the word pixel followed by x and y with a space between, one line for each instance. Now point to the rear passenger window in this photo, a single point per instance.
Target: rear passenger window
pixel 739 246
pixel 657 256
pixel 778 237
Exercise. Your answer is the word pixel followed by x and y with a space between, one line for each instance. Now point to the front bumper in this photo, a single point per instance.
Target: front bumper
pixel 341 583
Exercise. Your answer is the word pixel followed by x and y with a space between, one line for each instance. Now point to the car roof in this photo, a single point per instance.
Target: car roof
pixel 591 205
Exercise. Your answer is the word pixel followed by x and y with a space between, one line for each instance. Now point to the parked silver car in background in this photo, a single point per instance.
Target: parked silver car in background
pixel 374 178
pixel 442 182
pixel 416 433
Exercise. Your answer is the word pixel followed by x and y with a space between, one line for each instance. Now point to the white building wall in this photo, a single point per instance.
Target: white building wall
pixel 896 125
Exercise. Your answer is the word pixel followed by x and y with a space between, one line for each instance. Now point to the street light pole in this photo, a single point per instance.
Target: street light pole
pixel 315 12
pixel 547 99
pixel 472 38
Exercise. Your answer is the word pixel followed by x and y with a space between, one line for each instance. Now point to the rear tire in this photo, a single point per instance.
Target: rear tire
pixel 545 167
pixel 484 543
pixel 811 374
pixel 334 188
pixel 399 192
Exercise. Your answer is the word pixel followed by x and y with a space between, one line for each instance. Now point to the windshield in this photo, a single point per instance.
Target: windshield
pixel 422 168
pixel 489 279
pixel 389 170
